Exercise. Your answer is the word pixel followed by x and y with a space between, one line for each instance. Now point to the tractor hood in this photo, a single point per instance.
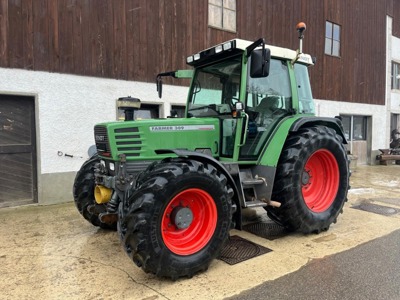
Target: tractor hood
pixel 139 140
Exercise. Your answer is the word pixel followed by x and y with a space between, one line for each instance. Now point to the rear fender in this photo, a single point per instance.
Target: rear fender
pixel 275 145
pixel 334 123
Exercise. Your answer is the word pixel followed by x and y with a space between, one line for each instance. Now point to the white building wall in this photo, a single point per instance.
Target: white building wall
pixel 68 106
pixel 326 108
pixel 393 55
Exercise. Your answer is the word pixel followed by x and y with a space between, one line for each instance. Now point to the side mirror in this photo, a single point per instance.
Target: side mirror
pixel 159 86
pixel 259 63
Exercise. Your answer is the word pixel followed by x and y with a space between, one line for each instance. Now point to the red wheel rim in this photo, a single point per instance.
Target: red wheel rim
pixel 192 239
pixel 320 180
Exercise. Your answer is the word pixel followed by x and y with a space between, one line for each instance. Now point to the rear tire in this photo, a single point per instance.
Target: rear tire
pixel 83 192
pixel 177 221
pixel 312 180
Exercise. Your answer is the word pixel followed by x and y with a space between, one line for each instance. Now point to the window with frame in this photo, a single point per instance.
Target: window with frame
pixel 306 102
pixel 355 127
pixel 395 76
pixel 222 14
pixel 178 111
pixel 332 39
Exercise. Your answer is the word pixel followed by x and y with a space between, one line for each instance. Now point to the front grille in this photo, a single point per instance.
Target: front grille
pixel 128 141
pixel 101 140
pixel 126 130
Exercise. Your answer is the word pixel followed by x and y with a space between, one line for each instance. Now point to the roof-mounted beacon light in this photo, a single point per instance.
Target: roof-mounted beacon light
pixel 301 27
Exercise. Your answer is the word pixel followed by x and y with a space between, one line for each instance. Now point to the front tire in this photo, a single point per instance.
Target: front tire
pixel 312 180
pixel 83 192
pixel 178 220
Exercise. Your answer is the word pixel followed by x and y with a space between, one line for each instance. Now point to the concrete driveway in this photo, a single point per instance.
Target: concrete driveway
pixel 51 252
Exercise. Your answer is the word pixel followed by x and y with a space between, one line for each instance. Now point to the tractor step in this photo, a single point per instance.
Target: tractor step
pixel 252 182
pixel 255 203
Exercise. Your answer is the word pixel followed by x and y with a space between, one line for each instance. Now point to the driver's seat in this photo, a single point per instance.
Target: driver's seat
pixel 268 105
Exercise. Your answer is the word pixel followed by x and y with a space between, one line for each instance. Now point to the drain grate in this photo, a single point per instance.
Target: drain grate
pixel 377 209
pixel 270 231
pixel 238 249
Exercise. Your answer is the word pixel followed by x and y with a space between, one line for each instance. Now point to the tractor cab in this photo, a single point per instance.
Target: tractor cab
pixel 251 88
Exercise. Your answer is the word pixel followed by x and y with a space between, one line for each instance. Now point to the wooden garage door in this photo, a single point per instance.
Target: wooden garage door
pixel 17 151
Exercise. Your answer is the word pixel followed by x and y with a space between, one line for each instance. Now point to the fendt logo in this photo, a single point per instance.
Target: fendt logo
pixel 99 138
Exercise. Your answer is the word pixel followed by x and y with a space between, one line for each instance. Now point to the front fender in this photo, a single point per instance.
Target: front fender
pixel 210 160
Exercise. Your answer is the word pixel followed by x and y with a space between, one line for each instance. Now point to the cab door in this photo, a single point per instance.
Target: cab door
pixel 268 101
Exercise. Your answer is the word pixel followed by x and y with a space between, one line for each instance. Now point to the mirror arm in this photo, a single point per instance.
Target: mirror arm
pixel 159 81
pixel 254 45
pixel 171 73
pixel 175 74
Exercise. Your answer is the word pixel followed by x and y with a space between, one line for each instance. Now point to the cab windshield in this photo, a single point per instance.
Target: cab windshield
pixel 215 89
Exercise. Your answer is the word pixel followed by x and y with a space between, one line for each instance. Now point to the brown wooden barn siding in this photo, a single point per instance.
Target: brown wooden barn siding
pixel 393 10
pixel 136 39
pixel 359 74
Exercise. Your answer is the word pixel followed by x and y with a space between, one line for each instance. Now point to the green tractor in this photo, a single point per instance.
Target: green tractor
pixel 175 187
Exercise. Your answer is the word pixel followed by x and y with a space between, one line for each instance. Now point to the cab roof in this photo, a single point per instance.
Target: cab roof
pixel 236 46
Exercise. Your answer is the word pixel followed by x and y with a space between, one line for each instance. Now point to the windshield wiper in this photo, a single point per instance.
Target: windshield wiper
pixel 213 107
